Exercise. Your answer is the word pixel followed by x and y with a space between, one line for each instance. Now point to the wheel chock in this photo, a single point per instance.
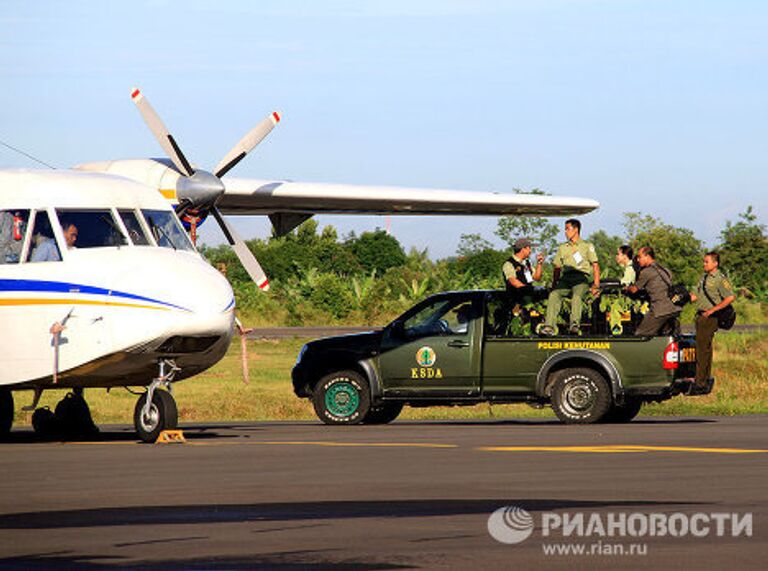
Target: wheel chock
pixel 170 437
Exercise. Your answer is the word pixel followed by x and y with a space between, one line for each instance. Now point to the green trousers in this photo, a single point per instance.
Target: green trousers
pixel 574 284
pixel 705 333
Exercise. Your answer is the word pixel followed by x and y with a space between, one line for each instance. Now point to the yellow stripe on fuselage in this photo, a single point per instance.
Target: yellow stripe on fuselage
pixel 58 301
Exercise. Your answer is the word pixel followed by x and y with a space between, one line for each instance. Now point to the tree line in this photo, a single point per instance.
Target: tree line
pixel 319 278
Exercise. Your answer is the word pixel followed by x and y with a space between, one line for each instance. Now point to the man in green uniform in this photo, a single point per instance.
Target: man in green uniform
pixel 713 293
pixel 574 261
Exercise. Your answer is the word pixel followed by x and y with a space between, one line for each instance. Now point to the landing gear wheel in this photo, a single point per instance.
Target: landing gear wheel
pixel 6 411
pixel 383 414
pixel 163 415
pixel 580 396
pixel 342 398
pixel 624 413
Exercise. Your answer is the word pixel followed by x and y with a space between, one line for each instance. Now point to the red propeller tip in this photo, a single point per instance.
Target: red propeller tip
pixel 276 115
pixel 135 94
pixel 264 285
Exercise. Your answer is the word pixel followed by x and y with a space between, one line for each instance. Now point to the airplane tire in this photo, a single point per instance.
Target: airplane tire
pixel 163 415
pixel 6 411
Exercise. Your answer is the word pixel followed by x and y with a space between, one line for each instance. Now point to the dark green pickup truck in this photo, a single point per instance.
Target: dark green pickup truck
pixel 455 348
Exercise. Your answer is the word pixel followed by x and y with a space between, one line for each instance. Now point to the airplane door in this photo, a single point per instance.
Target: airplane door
pixel 434 350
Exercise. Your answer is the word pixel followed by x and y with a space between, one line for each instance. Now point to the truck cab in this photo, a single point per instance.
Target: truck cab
pixel 457 348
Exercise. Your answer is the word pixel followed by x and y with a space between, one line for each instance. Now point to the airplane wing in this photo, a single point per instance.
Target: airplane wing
pixel 250 196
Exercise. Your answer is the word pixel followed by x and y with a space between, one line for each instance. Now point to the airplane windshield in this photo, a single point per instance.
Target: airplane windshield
pixel 166 230
pixel 135 230
pixel 90 228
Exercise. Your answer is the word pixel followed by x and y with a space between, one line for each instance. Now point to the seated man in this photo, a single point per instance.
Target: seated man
pixel 519 276
pixel 575 260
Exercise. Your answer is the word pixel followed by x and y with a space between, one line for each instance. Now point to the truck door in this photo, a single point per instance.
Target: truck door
pixel 434 349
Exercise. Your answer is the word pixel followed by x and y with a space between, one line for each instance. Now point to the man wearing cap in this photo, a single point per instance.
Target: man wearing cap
pixel 519 276
pixel 574 262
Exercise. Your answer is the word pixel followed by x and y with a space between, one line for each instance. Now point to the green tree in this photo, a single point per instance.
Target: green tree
pixel 676 248
pixel 541 232
pixel 744 253
pixel 470 244
pixel 378 251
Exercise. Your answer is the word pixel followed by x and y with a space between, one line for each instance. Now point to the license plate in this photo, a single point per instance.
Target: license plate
pixel 688 355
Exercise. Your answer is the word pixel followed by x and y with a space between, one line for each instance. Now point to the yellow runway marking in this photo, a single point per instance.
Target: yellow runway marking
pixel 352 444
pixel 620 449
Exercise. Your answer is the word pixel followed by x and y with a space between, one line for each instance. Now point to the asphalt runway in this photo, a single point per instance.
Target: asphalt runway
pixel 411 495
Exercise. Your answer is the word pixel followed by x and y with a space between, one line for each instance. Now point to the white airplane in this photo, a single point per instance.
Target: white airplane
pixel 100 285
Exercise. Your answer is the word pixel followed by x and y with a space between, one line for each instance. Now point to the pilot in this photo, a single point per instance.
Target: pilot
pixel 70 233
pixel 575 260
pixel 624 259
pixel 519 276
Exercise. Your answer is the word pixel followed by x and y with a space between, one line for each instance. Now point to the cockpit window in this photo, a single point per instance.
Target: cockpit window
pixel 166 229
pixel 135 230
pixel 13 226
pixel 90 229
pixel 43 247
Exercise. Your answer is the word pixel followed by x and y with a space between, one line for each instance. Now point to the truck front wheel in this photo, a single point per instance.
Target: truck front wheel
pixel 580 396
pixel 342 398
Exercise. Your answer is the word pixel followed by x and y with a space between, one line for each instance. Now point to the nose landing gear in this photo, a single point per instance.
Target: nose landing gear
pixel 156 409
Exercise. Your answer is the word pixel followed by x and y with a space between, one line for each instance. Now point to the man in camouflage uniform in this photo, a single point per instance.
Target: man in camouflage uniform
pixel 713 293
pixel 574 262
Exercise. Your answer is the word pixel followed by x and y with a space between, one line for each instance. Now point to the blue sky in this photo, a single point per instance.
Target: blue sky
pixel 652 106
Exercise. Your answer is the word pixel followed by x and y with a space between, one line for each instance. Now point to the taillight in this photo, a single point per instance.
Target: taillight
pixel 672 356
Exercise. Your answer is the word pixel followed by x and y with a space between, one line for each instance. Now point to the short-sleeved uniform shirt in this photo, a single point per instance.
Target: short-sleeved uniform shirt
pixel 575 257
pixel 655 281
pixel 718 287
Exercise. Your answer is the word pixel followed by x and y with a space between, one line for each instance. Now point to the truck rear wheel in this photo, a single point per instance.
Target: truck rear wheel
pixel 384 413
pixel 342 398
pixel 580 396
pixel 625 412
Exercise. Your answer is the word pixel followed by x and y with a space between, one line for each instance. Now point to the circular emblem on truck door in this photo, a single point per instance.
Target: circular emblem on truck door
pixel 426 356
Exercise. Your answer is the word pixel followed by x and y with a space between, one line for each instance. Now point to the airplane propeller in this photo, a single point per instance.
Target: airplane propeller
pixel 200 190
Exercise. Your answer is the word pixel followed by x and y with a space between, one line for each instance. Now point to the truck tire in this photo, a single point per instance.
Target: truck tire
pixel 342 397
pixel 384 413
pixel 623 413
pixel 580 396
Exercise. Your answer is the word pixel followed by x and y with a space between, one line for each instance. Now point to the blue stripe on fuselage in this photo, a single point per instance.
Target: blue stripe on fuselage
pixel 65 287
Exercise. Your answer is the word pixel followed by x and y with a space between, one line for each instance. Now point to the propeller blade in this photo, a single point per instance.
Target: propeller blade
pixel 166 140
pixel 245 256
pixel 247 144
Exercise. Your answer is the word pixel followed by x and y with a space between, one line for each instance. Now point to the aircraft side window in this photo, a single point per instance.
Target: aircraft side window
pixel 166 229
pixel 90 228
pixel 43 247
pixel 135 230
pixel 13 227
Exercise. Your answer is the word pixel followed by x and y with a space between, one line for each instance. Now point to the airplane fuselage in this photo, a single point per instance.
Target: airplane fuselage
pixel 130 291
